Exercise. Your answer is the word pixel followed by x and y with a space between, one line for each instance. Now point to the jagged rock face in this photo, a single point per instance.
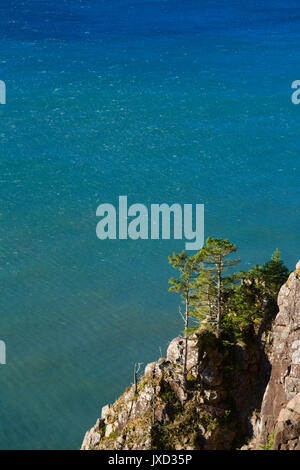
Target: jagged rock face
pixel 175 353
pixel 210 414
pixel 108 431
pixel 93 436
pixel 287 429
pixel 284 382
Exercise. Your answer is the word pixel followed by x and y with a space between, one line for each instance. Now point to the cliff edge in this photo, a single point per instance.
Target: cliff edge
pixel 279 422
pixel 235 394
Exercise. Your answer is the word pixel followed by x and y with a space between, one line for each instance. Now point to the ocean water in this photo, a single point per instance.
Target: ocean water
pixel 163 101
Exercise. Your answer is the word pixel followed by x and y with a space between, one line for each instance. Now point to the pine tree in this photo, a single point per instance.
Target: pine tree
pixel 274 274
pixel 255 300
pixel 184 285
pixel 212 258
pixel 204 299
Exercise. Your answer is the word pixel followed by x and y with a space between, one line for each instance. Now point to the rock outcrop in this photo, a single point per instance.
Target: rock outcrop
pixel 235 394
pixel 287 429
pixel 212 413
pixel 281 400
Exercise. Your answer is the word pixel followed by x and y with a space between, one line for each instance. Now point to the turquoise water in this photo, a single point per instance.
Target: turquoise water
pixel 162 101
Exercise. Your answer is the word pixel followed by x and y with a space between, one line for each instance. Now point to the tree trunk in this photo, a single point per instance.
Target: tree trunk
pixel 135 380
pixel 219 302
pixel 186 324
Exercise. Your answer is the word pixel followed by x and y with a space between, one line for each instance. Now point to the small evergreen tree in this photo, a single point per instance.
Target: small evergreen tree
pixel 204 299
pixel 212 258
pixel 256 298
pixel 214 299
pixel 242 311
pixel 274 274
pixel 184 285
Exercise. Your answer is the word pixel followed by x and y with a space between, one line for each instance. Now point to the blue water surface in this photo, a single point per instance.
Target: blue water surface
pixel 163 101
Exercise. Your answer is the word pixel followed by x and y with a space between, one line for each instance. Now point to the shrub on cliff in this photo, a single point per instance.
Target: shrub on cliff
pixel 255 300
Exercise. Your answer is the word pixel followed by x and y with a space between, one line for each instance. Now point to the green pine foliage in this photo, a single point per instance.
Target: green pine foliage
pixel 213 263
pixel 217 299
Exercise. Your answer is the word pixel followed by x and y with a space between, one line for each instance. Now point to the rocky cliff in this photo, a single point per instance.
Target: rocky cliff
pixel 236 393
pixel 279 422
